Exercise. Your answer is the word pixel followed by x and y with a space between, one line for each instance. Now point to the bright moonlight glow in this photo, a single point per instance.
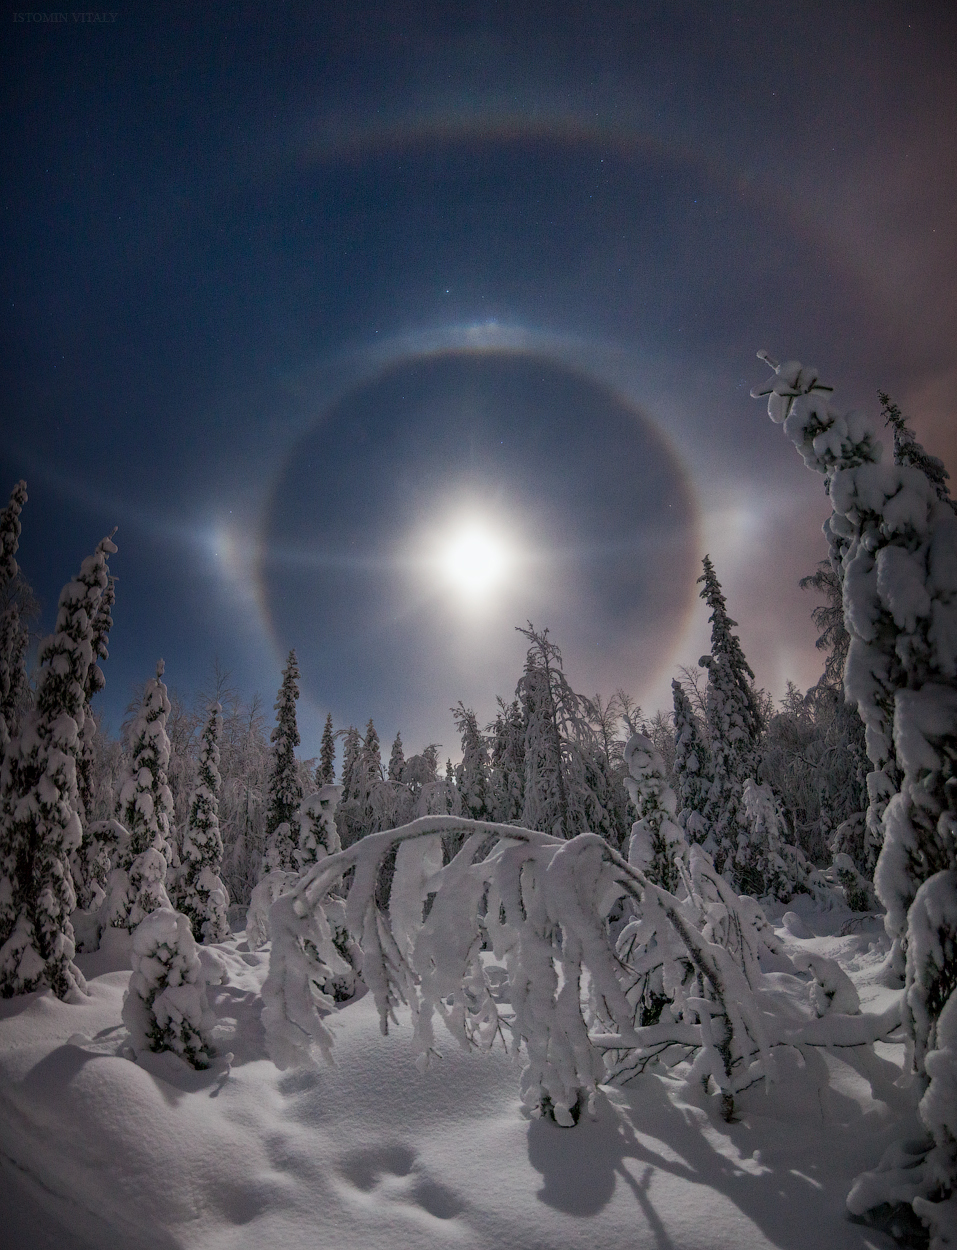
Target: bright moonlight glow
pixel 474 560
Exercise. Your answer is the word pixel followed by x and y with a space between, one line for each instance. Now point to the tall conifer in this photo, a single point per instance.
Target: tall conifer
pixel 473 774
pixel 203 896
pixel 13 635
pixel 137 886
pixel 691 767
pixel 285 791
pixel 326 772
pixel 734 724
pixel 91 861
pixel 567 788
pixel 39 802
pixel 893 538
pixel 396 759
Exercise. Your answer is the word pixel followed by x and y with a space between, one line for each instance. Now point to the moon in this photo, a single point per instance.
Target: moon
pixel 474 560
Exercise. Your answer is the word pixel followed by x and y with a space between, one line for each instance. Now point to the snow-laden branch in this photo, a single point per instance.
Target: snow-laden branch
pixel 415 911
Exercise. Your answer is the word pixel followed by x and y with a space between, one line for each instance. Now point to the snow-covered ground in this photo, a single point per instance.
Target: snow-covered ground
pixel 100 1151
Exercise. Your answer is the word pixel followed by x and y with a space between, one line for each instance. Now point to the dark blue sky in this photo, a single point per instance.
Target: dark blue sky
pixel 292 290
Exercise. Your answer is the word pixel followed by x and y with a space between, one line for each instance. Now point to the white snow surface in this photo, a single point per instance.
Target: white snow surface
pixel 98 1151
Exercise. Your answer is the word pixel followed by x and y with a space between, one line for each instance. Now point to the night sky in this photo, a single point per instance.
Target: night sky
pixel 304 297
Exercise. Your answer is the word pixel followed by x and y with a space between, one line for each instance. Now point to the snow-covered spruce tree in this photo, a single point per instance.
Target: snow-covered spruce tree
pixel 895 542
pixel 202 897
pixel 165 1007
pixel 90 862
pixel 473 775
pixel 812 755
pixel 350 754
pixel 367 776
pixel 734 725
pixel 396 760
pixel 508 762
pixel 692 766
pixel 347 820
pixel 368 801
pixel 831 443
pixel 318 835
pixel 606 718
pixel 567 789
pixel 95 682
pixel 772 865
pixel 546 781
pixel 39 802
pixel 326 772
pixel 657 844
pixel 13 635
pixel 137 886
pixel 319 838
pixel 285 791
pixel 433 795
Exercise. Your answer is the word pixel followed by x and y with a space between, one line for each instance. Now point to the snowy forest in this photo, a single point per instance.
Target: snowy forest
pixel 604 894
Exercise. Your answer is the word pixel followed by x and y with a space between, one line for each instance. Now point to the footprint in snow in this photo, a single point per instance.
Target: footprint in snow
pixel 391 1171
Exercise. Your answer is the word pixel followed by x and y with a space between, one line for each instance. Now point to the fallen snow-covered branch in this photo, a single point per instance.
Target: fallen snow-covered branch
pixel 413 909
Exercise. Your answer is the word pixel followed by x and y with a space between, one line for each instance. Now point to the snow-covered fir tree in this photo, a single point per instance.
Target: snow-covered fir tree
pixel 318 835
pixel 91 861
pixel 567 788
pixel 420 770
pixel 95 682
pixel 137 886
pixel 326 772
pixel 396 759
pixel 347 817
pixel 812 755
pixel 766 863
pixel 39 802
pixel 691 767
pixel 734 725
pixel 145 801
pixel 202 895
pixel 546 772
pixel 657 843
pixel 166 1006
pixel 473 775
pixel 350 754
pixel 285 789
pixel 508 762
pixel 367 776
pixel 368 802
pixel 894 540
pixel 607 717
pixel 13 634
